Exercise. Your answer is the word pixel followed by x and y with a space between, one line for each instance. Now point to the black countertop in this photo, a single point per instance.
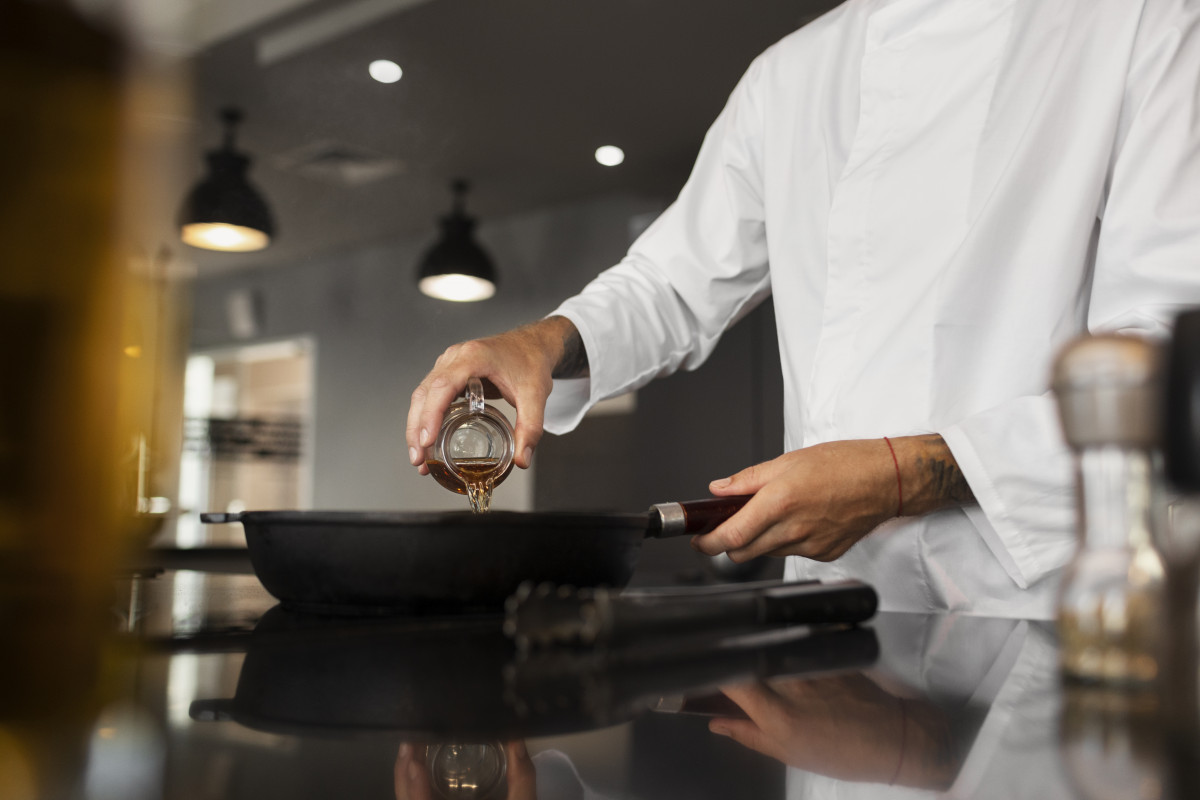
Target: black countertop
pixel 230 695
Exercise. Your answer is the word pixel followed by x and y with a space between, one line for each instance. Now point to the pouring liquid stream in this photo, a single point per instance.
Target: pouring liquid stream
pixel 473 451
pixel 479 478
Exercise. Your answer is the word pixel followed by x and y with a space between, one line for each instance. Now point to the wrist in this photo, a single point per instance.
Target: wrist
pixel 929 475
pixel 570 359
pixel 899 477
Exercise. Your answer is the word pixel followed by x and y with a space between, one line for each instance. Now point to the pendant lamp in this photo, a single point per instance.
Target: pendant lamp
pixel 456 267
pixel 224 211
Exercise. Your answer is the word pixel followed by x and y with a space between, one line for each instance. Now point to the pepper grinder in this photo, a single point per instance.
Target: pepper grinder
pixel 1111 603
pixel 1181 548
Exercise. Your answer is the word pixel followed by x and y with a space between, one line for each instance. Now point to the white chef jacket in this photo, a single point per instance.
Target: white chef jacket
pixel 1005 669
pixel 936 194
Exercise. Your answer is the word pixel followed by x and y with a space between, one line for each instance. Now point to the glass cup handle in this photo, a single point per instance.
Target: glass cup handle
pixel 475 395
pixel 475 405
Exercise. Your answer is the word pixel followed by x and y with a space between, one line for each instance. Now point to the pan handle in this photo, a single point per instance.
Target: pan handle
pixel 220 517
pixel 211 710
pixel 692 517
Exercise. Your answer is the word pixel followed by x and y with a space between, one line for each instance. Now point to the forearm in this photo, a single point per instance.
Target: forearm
pixel 929 476
pixel 572 360
pixel 556 341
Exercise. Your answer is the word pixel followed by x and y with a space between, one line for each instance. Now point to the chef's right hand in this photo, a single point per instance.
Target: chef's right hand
pixel 520 364
pixel 847 727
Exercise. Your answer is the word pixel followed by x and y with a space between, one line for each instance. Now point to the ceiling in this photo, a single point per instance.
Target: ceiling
pixel 513 95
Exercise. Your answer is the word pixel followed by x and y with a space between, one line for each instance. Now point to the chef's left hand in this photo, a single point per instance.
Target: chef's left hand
pixel 818 501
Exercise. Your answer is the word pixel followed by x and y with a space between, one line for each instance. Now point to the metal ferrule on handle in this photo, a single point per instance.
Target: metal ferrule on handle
pixel 694 517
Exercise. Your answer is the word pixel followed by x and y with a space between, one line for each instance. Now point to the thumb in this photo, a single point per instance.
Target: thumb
pixel 747 481
pixel 744 732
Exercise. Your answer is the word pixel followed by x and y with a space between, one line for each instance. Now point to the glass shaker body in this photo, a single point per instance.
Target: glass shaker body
pixel 1111 610
pixel 1111 605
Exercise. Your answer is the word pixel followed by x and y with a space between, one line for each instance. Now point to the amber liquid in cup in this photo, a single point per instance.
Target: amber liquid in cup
pixel 480 478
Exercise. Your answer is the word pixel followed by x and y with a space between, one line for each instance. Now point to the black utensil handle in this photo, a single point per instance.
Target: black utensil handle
pixel 693 517
pixel 548 615
pixel 220 517
pixel 815 604
pixel 845 602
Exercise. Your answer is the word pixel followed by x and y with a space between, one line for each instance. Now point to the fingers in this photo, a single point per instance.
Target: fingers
pixel 531 411
pixel 522 777
pixel 445 382
pixel 516 366
pixel 441 387
pixel 410 776
pixel 742 529
pixel 748 481
pixel 749 533
pixel 412 426
pixel 744 732
pixel 768 529
pixel 429 402
pixel 756 699
pixel 814 502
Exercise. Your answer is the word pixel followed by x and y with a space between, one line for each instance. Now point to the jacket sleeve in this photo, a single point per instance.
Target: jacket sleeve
pixel 695 271
pixel 1147 267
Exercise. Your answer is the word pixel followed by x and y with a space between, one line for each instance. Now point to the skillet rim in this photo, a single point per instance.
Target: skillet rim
pixel 585 520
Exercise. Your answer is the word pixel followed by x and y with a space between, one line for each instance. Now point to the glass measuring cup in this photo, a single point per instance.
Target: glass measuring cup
pixel 474 449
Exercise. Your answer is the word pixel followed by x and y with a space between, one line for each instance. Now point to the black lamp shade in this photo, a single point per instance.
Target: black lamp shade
pixel 456 267
pixel 224 211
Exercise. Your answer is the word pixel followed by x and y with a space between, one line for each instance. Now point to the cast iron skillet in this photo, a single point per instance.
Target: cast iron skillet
pixel 462 680
pixel 341 562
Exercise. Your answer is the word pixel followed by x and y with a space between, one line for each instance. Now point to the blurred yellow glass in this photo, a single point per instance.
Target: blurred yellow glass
pixel 82 289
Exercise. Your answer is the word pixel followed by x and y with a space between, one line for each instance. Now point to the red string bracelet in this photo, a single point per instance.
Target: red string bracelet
pixel 903 740
pixel 899 486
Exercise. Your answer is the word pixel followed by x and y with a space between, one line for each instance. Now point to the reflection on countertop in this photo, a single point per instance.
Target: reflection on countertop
pixel 223 693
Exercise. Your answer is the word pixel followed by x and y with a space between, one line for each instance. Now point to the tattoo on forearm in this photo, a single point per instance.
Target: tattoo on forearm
pixel 946 480
pixel 574 361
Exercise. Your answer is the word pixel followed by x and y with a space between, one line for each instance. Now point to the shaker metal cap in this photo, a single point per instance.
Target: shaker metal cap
pixel 1108 388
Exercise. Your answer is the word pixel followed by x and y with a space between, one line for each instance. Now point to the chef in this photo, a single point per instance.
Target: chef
pixel 936 195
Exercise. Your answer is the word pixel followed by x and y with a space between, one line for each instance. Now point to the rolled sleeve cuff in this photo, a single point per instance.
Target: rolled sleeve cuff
pixel 1026 512
pixel 571 398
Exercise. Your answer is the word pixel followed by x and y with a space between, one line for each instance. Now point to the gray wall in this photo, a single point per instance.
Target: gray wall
pixel 377 336
pixel 687 430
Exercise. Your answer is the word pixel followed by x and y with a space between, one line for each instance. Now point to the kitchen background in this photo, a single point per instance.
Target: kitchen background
pixel 514 97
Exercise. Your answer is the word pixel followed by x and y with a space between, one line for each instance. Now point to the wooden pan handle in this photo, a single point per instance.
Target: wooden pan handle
pixel 220 517
pixel 693 517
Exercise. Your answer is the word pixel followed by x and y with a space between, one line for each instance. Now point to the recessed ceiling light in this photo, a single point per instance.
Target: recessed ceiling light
pixel 385 71
pixel 610 155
